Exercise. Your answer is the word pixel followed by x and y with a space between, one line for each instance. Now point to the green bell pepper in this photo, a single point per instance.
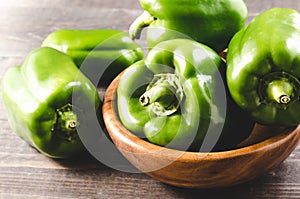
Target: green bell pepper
pixel 177 98
pixel 212 23
pixel 47 100
pixel 264 67
pixel 98 52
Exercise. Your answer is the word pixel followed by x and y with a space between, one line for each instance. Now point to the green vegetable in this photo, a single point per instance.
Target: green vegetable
pixel 212 23
pixel 264 67
pixel 177 98
pixel 47 100
pixel 98 53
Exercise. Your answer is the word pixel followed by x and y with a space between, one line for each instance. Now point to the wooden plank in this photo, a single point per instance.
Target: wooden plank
pixel 25 173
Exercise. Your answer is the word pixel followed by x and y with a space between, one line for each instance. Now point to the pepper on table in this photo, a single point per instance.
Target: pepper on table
pixel 101 54
pixel 47 100
pixel 177 97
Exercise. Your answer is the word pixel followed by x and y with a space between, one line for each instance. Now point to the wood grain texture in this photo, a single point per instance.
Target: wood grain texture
pixel 24 173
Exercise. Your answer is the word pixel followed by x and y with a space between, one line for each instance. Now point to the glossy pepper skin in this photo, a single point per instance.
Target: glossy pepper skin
pixel 97 52
pixel 212 23
pixel 264 67
pixel 177 98
pixel 47 100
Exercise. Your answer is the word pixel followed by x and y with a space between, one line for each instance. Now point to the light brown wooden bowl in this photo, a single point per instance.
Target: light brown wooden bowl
pixel 263 150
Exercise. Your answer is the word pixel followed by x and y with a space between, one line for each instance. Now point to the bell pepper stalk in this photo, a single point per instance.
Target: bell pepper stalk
pixel 212 23
pixel 47 100
pixel 165 94
pixel 264 70
pixel 177 97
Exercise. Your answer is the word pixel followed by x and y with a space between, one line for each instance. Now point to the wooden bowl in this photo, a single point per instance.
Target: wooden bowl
pixel 263 150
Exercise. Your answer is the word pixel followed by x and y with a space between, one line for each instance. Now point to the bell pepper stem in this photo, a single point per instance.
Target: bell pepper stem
pixel 280 91
pixel 164 94
pixel 279 88
pixel 142 21
pixel 66 123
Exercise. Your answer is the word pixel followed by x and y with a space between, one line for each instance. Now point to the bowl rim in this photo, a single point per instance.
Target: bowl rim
pixel 131 139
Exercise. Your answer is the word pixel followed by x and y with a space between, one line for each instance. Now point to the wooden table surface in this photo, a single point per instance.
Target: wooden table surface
pixel 25 173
